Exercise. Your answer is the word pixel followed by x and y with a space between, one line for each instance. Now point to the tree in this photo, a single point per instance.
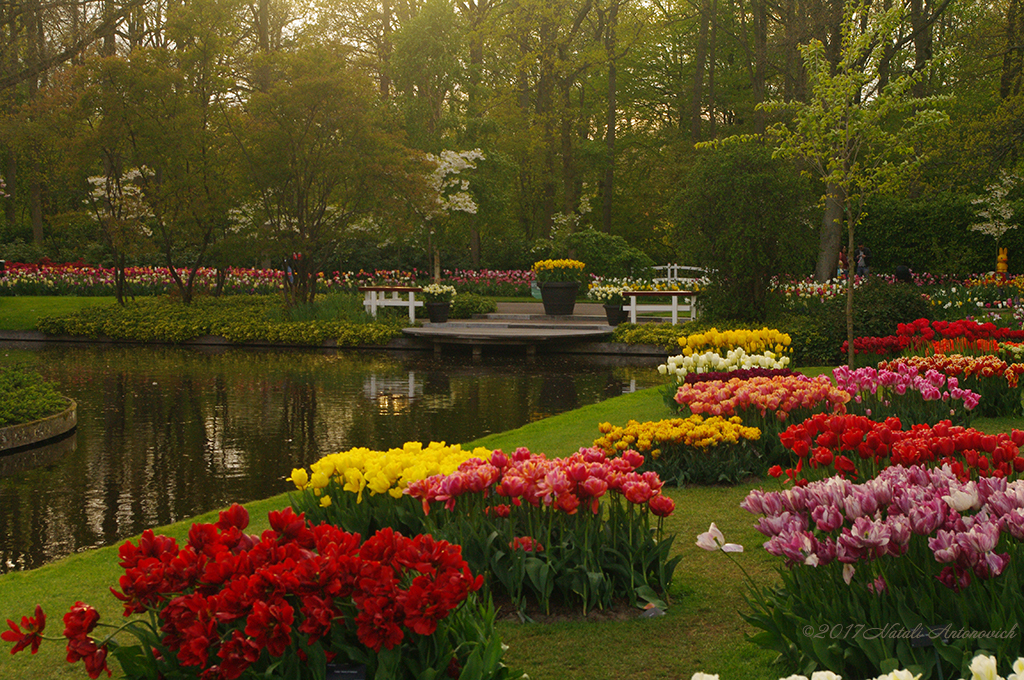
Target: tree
pixel 120 208
pixel 450 195
pixel 321 156
pixel 170 104
pixel 741 215
pixel 858 139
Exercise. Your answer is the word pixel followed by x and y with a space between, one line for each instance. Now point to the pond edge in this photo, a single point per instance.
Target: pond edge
pixel 38 431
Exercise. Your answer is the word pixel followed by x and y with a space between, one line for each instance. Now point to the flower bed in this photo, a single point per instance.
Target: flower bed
pixel 364 490
pixel 996 381
pixel 291 603
pixel 846 444
pixel 911 549
pixel 908 393
pixel 694 450
pixel 573 530
pixel 768 403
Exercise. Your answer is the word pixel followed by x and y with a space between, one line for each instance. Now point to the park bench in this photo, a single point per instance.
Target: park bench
pixel 683 303
pixel 391 296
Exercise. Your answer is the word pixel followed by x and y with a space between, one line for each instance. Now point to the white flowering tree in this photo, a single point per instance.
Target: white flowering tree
pixel 119 206
pixel 450 186
pixel 996 208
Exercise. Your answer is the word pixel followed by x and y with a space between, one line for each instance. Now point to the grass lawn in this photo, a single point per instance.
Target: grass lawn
pixel 702 630
pixel 21 313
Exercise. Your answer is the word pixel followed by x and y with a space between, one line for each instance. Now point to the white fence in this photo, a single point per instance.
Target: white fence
pixel 679 273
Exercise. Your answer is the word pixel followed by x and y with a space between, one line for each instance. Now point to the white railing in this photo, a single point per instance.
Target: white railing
pixel 679 273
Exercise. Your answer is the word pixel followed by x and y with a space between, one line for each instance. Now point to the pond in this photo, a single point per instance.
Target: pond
pixel 166 433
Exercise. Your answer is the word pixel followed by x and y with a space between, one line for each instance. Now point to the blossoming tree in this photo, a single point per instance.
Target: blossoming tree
pixel 452 195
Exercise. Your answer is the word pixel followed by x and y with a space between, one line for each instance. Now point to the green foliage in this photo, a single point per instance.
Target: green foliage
pixel 606 255
pixel 465 305
pixel 661 334
pixel 813 342
pixel 933 234
pixel 878 307
pixel 739 215
pixel 238 319
pixel 25 396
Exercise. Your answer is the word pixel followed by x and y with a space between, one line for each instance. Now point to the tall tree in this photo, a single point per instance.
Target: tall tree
pixel 857 139
pixel 321 157
pixel 171 103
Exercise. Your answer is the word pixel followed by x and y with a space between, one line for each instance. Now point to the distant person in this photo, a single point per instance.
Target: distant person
pixel 903 274
pixel 862 260
pixel 843 265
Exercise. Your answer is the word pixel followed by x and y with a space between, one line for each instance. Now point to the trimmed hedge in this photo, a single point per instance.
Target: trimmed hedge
pixel 236 319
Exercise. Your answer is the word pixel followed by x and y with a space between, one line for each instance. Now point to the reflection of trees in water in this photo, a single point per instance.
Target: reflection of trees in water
pixel 166 433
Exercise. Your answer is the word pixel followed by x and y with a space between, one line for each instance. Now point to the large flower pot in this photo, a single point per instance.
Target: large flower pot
pixel 616 314
pixel 559 297
pixel 437 312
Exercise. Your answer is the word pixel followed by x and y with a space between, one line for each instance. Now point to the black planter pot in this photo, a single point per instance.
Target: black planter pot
pixel 559 297
pixel 437 312
pixel 616 314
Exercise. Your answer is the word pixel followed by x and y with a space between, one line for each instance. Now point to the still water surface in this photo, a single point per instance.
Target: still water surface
pixel 165 433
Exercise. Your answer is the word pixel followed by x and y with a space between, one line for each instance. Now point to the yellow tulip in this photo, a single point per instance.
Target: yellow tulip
pixel 299 478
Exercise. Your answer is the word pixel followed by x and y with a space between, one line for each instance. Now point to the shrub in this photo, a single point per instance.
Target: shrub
pixel 661 334
pixel 465 305
pixel 879 308
pixel 239 319
pixel 739 214
pixel 25 396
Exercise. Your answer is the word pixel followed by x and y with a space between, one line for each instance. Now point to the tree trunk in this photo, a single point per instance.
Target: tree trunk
pixel 699 64
pixel 920 22
pixel 610 118
pixel 760 12
pixel 11 178
pixel 1013 59
pixel 850 222
pixel 831 236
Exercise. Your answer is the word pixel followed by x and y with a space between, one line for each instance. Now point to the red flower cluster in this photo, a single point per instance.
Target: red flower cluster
pixel 922 331
pixel 226 596
pixel 561 483
pixel 890 344
pixel 837 441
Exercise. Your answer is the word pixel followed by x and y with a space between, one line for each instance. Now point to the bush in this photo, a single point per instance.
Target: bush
pixel 25 396
pixel 465 305
pixel 606 255
pixel 879 307
pixel 239 319
pixel 739 215
pixel 662 334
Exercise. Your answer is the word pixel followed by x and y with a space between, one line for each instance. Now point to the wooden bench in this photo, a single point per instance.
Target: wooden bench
pixel 378 296
pixel 682 301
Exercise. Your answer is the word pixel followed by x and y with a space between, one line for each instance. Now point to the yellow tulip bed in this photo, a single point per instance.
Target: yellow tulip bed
pixel 690 450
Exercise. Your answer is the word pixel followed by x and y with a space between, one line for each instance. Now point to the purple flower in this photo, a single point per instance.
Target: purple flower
pixel 945 546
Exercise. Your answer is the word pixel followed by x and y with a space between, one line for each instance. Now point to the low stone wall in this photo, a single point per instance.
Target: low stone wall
pixel 26 434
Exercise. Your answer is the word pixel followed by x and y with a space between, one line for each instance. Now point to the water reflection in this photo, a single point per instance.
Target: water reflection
pixel 165 433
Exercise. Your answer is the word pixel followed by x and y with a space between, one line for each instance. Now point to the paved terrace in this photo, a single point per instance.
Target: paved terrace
pixel 517 324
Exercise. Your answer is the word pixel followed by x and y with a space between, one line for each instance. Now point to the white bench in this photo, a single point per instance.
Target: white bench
pixel 378 296
pixel 683 303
